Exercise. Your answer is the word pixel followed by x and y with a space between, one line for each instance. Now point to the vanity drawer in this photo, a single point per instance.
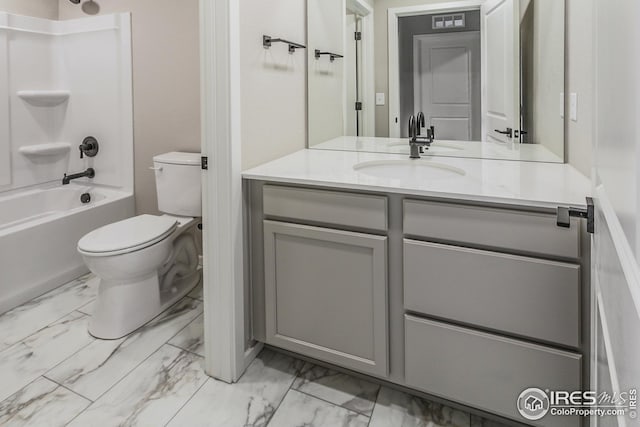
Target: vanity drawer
pixel 485 371
pixel 525 232
pixel 326 207
pixel 520 295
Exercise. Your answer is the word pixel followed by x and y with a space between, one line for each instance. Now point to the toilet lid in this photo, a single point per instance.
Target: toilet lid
pixel 129 233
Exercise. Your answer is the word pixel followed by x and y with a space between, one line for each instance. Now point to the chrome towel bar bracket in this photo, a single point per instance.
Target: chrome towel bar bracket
pixel 268 40
pixel 332 56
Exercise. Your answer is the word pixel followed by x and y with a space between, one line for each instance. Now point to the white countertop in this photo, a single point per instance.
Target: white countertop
pixel 546 185
pixel 469 149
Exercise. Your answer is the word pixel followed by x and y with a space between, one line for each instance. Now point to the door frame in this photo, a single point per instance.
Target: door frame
pixel 393 16
pixel 226 352
pixel 367 15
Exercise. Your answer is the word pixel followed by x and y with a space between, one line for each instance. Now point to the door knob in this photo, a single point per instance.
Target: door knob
pixel 508 132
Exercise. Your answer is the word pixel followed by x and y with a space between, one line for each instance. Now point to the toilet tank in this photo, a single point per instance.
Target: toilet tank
pixel 178 183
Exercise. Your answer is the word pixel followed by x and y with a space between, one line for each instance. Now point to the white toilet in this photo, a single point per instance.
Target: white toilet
pixel 148 262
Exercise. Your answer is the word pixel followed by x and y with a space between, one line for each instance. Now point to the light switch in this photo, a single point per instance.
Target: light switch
pixel 573 107
pixel 562 104
pixel 380 98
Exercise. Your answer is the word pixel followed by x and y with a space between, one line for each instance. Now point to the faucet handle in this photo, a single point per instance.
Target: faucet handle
pixel 89 146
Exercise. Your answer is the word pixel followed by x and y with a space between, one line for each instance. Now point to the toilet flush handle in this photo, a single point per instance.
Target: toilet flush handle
pixel 153 168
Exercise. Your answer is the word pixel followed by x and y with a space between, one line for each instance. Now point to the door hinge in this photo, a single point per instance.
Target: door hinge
pixel 358 106
pixel 589 213
pixel 204 162
pixel 358 35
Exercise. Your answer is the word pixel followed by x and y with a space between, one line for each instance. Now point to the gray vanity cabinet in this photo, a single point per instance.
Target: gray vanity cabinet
pixel 471 303
pixel 326 288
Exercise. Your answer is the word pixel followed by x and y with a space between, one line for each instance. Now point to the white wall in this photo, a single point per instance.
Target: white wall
pixel 580 66
pixel 325 29
pixel 47 9
pixel 273 82
pixel 166 81
pixel 548 74
pixel 618 114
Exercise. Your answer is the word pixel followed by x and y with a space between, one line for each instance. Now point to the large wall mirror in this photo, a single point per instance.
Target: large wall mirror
pixel 487 76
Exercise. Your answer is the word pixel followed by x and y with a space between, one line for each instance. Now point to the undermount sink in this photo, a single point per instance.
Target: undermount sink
pixel 408 170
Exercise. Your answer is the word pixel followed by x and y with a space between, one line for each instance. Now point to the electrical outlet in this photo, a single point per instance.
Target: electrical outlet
pixel 573 107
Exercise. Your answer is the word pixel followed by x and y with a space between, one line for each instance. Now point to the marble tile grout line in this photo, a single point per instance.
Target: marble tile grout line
pixel 66 388
pixel 293 380
pixel 42 328
pixel 79 413
pixel 188 324
pixel 71 355
pixel 79 309
pixel 330 403
pixel 373 410
pixel 67 358
pixel 141 362
pixel 190 398
pixel 128 372
pixel 182 349
pixel 126 377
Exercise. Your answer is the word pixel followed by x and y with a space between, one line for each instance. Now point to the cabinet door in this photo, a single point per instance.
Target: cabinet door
pixel 326 294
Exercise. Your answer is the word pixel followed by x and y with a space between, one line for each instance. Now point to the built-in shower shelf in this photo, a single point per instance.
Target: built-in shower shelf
pixel 45 150
pixel 44 98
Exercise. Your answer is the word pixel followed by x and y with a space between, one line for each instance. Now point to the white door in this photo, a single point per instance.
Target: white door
pixel 615 364
pixel 500 69
pixel 447 83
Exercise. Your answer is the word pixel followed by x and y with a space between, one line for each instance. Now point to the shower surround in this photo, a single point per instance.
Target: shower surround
pixel 61 81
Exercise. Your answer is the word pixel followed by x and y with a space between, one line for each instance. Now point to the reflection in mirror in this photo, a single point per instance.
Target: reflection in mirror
pixel 488 77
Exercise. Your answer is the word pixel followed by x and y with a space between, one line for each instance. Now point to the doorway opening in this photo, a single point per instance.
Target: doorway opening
pixel 440 72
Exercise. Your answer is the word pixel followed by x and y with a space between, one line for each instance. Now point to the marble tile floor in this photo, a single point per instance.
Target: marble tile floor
pixel 53 373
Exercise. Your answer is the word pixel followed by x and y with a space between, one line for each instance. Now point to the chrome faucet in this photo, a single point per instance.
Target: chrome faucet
pixel 417 142
pixel 89 173
pixel 420 122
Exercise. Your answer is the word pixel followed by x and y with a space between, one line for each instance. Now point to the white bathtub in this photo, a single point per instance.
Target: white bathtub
pixel 39 231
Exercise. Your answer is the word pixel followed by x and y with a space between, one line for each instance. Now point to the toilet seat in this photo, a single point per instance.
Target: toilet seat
pixel 129 235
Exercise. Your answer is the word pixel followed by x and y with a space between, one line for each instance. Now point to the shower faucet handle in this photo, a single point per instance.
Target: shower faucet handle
pixel 89 147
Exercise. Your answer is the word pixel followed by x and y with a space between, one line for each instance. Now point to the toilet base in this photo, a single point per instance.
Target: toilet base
pixel 121 307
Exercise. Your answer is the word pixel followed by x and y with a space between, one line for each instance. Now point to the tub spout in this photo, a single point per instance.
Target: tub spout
pixel 89 173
